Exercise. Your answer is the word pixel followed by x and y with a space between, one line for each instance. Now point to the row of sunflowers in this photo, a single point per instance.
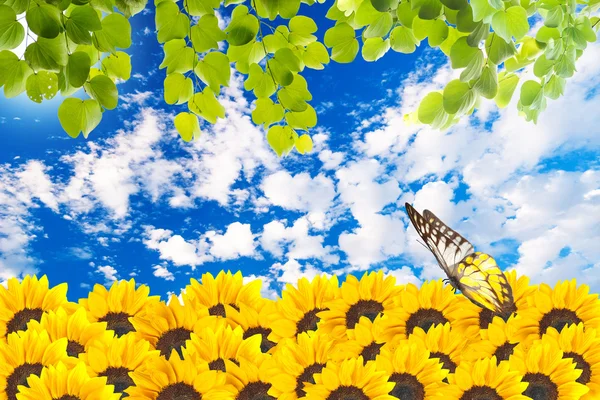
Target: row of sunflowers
pixel 368 339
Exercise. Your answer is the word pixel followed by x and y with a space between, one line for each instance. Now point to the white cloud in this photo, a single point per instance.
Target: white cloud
pixel 163 272
pixel 299 192
pixel 237 241
pixel 174 248
pixel 110 274
pixel 292 271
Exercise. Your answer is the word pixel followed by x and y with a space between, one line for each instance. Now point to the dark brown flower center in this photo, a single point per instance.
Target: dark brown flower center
pixel 68 397
pixel 407 387
pixel 309 321
pixel 255 391
pixel 119 377
pixel 364 308
pixel 347 393
pixel 485 318
pixel 173 340
pixel 503 352
pixel 445 360
pixel 19 377
pixel 307 376
pixel 558 319
pixel 540 387
pixel 481 393
pixel 118 322
pixel 584 366
pixel 219 310
pixel 179 391
pixel 74 348
pixel 370 352
pixel 424 318
pixel 266 344
pixel 21 318
pixel 217 365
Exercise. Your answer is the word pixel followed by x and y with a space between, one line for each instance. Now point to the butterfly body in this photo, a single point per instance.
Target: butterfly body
pixel 475 274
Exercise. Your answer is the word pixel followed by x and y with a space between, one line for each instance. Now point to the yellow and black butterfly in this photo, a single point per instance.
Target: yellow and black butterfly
pixel 475 274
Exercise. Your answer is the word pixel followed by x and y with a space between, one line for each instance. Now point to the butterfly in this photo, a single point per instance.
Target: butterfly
pixel 475 274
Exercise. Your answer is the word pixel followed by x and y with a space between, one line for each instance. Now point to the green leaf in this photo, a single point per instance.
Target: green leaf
pixel 206 35
pixel 91 51
pixel 506 87
pixel 171 22
pixel 544 34
pixel 366 14
pixel 530 92
pixel 206 105
pixel 402 40
pixel 487 84
pixel 565 65
pixel 48 54
pixel 103 89
pixel 43 85
pixel 406 14
pixel 315 56
pixel 15 78
pixel 481 32
pixel 482 10
pixel 511 22
pixel 421 28
pixel 266 112
pixel 243 27
pixel 379 27
pixel 131 7
pixel 555 87
pixel 201 8
pixel 294 96
pixel 498 49
pixel 554 17
pixel 79 24
pixel 78 68
pixel 117 66
pixel 187 125
pixel 178 88
pixel 281 139
pixel 178 57
pixel 458 97
pixel 455 4
pixel 270 8
pixel 542 66
pixel 277 40
pixel 303 24
pixel 76 115
pixel 462 55
pixel 115 33
pixel 8 60
pixel 343 43
pixel 302 120
pixel 465 21
pixel 384 5
pixel 438 33
pixel 12 32
pixel 304 144
pixel 431 110
pixel 283 66
pixel 246 55
pixel 18 6
pixel 214 70
pixel 259 81
pixel 428 9
pixel 375 48
pixel 44 20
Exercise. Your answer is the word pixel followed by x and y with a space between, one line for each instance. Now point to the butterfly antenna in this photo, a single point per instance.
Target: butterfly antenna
pixel 423 244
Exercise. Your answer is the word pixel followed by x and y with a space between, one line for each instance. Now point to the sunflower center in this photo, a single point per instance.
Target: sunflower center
pixel 307 376
pixel 445 360
pixel 20 319
pixel 255 391
pixel 407 387
pixel 173 339
pixel 485 318
pixel 347 393
pixel 266 344
pixel 118 376
pixel 179 391
pixel 424 318
pixel 68 397
pixel 503 352
pixel 74 348
pixel 309 321
pixel 364 308
pixel 583 365
pixel 118 322
pixel 481 393
pixel 217 365
pixel 540 387
pixel 370 352
pixel 558 319
pixel 19 377
pixel 219 309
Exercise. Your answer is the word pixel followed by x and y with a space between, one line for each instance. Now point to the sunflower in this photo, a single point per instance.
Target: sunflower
pixel 296 361
pixel 79 332
pixel 116 357
pixel 583 347
pixel 350 379
pixel 168 326
pixel 214 346
pixel 117 305
pixel 251 378
pixel 442 343
pixel 297 309
pixel 366 339
pixel 254 321
pixel 61 382
pixel 415 374
pixel 26 353
pixel 485 379
pixel 369 297
pixel 499 340
pixel 564 305
pixel 27 300
pixel 550 376
pixel 226 289
pixel 434 304
pixel 178 378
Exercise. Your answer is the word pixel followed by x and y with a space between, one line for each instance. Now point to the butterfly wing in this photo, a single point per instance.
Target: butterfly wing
pixel 448 247
pixel 483 282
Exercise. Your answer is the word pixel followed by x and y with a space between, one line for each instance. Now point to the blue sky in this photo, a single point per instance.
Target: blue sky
pixel 135 201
